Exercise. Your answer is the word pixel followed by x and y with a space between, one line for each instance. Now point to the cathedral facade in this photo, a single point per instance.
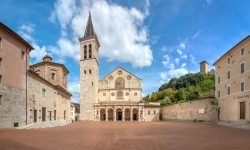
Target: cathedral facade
pixel 117 96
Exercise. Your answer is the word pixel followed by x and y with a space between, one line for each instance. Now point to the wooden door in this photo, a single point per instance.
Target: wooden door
pixel 54 114
pixel 242 110
pixel 35 115
pixel 50 115
pixel 43 114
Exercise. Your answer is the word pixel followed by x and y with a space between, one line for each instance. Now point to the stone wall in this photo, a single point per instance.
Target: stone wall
pixel 199 110
pixel 151 113
pixel 52 101
pixel 12 106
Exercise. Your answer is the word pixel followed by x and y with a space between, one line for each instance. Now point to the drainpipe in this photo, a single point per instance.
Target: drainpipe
pixel 26 103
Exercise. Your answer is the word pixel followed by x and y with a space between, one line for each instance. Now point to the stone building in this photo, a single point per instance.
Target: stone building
pixel 116 97
pixel 27 96
pixel 48 98
pixel 204 67
pixel 74 111
pixel 232 72
pixel 14 61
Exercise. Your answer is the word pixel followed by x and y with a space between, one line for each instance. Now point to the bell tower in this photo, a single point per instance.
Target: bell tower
pixel 89 72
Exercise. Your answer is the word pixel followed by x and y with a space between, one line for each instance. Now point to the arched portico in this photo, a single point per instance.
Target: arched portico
pixel 119 114
pixel 110 115
pixel 135 114
pixel 102 115
pixel 127 114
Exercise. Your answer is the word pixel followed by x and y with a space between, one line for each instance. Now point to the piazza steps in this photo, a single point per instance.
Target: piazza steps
pixel 47 124
pixel 236 124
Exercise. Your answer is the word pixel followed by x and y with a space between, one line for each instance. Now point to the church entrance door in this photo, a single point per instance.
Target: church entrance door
pixel 119 115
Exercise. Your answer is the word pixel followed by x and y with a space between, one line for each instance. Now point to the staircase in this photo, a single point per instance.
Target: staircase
pixel 236 124
pixel 48 124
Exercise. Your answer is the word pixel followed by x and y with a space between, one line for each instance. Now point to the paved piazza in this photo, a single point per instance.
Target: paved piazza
pixel 127 135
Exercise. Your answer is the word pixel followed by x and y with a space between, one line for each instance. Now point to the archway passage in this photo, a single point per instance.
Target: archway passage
pixel 110 115
pixel 102 115
pixel 119 115
pixel 135 114
pixel 127 114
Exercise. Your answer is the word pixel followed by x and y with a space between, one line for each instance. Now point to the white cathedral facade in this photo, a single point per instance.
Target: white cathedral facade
pixel 116 97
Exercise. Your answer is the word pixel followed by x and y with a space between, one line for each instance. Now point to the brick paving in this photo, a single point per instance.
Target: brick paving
pixel 128 136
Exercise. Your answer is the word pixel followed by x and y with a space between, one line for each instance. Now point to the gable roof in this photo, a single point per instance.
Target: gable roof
pixel 58 88
pixel 230 50
pixel 118 69
pixel 15 35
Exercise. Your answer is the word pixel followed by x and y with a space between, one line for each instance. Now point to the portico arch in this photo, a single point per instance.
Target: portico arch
pixel 135 114
pixel 102 115
pixel 127 114
pixel 110 114
pixel 119 114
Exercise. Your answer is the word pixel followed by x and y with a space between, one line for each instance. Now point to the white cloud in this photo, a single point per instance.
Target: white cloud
pixel 183 65
pixel 121 31
pixel 193 59
pixel 182 45
pixel 196 34
pixel 74 89
pixel 172 73
pixel 166 60
pixel 177 60
pixel 37 54
pixel 179 51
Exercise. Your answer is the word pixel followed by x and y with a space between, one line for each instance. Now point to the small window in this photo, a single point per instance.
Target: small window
pixel 228 90
pixel 1 60
pixel 23 55
pixel 219 80
pixel 242 67
pixel 219 93
pixel 228 74
pixel 16 124
pixel 44 92
pixel 242 86
pixel 242 52
pixel 1 99
pixel 85 52
pixel 1 79
pixel 53 76
pixel 89 71
pixel 90 51
pixel 154 112
pixel 228 60
pixel 85 71
pixel 148 112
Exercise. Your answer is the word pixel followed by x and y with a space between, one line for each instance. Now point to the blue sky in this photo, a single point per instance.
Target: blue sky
pixel 154 39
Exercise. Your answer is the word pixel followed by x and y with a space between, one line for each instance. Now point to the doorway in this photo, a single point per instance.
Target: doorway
pixel 35 116
pixel 43 114
pixel 50 115
pixel 64 114
pixel 54 114
pixel 242 110
pixel 119 114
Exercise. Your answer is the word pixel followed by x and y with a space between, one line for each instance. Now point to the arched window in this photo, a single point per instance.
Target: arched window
pixel 90 51
pixel 119 83
pixel 85 52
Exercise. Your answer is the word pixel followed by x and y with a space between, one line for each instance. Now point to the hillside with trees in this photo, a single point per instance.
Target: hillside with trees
pixel 185 88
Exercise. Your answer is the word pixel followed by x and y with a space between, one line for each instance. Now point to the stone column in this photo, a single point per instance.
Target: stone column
pixel 106 114
pixel 123 114
pixel 114 112
pixel 131 114
pixel 98 114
